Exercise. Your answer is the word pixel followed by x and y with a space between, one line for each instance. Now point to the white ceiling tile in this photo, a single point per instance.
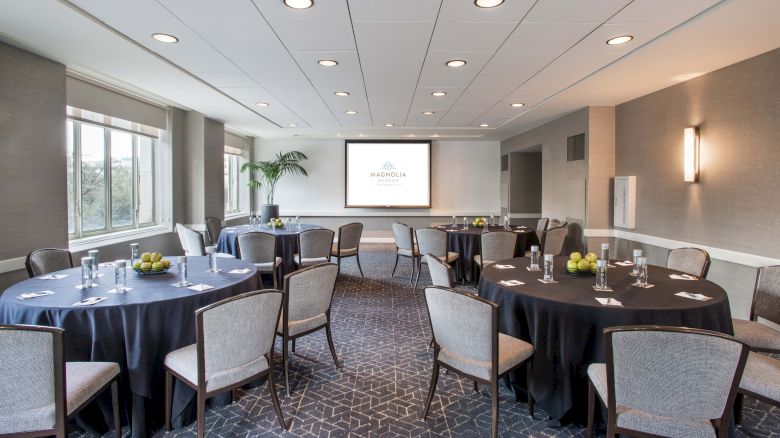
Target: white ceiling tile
pixel 237 79
pixel 661 11
pixel 344 77
pixel 424 99
pixel 568 11
pixel 435 72
pixel 391 69
pixel 391 36
pixel 491 121
pixel 568 69
pixel 465 10
pixel 418 119
pixel 505 109
pixel 319 35
pixel 394 10
pixel 328 10
pixel 461 116
pixel 470 36
pixel 389 114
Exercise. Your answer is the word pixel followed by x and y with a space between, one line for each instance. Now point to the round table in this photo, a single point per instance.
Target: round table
pixel 135 329
pixel 466 243
pixel 286 242
pixel 565 322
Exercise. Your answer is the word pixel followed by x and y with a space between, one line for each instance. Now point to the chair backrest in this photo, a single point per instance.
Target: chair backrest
pixel 541 227
pixel 403 236
pixel 32 382
pixel 497 245
pixel 692 261
pixel 191 241
pixel 441 273
pixel 213 227
pixel 553 240
pixel 463 324
pixel 43 261
pixel 349 235
pixel 673 372
pixel 235 332
pixel 766 297
pixel 309 291
pixel 315 243
pixel 257 247
pixel 431 241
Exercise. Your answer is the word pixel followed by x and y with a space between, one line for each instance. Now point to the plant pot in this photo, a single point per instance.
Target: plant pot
pixel 269 211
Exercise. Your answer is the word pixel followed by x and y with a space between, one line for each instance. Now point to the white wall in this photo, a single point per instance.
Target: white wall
pixel 464 181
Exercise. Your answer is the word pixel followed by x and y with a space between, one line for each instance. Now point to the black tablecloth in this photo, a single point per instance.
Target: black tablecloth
pixel 286 243
pixel 135 329
pixel 466 244
pixel 565 323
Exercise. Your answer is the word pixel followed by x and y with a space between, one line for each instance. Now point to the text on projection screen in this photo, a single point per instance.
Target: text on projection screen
pixel 388 174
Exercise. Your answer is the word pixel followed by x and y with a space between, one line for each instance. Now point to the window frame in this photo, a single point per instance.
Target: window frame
pixel 234 186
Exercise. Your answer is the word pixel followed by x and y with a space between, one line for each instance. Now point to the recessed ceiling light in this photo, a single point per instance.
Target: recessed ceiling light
pixel 389 125
pixel 342 93
pixel 327 63
pixel 291 125
pixel 165 38
pixel 428 113
pixel 350 113
pixel 299 4
pixel 262 104
pixel 438 94
pixel 455 63
pixel 484 125
pixel 517 105
pixel 488 3
pixel 619 40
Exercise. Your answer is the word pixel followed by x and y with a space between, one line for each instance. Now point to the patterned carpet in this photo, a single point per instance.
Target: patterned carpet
pixel 381 334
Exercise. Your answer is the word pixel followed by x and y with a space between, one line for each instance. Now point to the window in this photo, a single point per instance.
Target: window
pixel 111 177
pixel 234 202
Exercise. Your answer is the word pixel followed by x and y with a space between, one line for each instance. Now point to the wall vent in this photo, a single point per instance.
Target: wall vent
pixel 575 147
pixel 504 162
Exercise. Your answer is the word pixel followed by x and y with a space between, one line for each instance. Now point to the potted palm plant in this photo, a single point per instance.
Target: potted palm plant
pixel 264 175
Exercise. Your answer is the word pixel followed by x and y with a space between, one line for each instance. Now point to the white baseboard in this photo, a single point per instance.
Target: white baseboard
pixel 10 265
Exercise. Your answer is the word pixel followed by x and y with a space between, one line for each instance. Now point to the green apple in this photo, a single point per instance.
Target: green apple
pixel 591 257
pixel 571 265
pixel 583 265
pixel 146 266
pixel 137 265
pixel 593 268
pixel 166 262
pixel 575 257
pixel 156 257
pixel 158 266
pixel 146 257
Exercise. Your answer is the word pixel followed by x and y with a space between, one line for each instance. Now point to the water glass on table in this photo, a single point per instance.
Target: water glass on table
pixel 641 277
pixel 95 264
pixel 86 272
pixel 211 252
pixel 182 263
pixel 601 274
pixel 635 270
pixel 534 258
pixel 135 253
pixel 605 252
pixel 548 267
pixel 120 276
pixel 465 223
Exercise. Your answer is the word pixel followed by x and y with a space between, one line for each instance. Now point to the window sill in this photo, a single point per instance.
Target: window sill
pixel 240 214
pixel 118 237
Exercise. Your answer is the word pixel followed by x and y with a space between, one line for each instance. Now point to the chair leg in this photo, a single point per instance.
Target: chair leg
pixel 293 345
pixel 201 408
pixel 414 264
pixel 115 409
pixel 529 370
pixel 286 360
pixel 329 335
pixel 474 272
pixel 168 398
pixel 338 263
pixel 392 274
pixel 357 258
pixel 275 273
pixel 739 402
pixel 260 276
pixel 591 408
pixel 275 400
pixel 434 380
pixel 417 280
pixel 233 396
pixel 476 386
pixel 494 408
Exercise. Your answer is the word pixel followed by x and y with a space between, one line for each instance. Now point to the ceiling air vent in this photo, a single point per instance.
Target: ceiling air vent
pixel 575 147
pixel 504 162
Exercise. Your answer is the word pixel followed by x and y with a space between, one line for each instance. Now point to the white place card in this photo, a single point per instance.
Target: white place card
pixel 200 287
pixel 697 297
pixel 504 266
pixel 90 301
pixel 683 277
pixel 52 277
pixel 121 291
pixel 647 286
pixel 28 295
pixel 511 283
pixel 239 271
pixel 609 302
pixel 542 280
pixel 625 263
pixel 602 289
pixel 214 272
pixel 177 284
pixel 533 270
pixel 79 286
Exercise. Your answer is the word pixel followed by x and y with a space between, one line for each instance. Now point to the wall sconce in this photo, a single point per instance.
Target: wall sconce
pixel 691 147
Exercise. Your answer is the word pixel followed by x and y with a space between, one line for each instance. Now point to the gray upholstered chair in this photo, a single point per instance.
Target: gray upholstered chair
pixel 44 261
pixel 441 273
pixel 667 381
pixel 348 244
pixel 308 294
pixel 405 246
pixel 553 240
pixel 314 247
pixel 434 242
pixel 760 380
pixel 213 227
pixel 234 346
pixel 40 391
pixel 693 261
pixel 541 227
pixel 766 305
pixel 260 249
pixel 467 342
pixel 192 242
pixel 494 246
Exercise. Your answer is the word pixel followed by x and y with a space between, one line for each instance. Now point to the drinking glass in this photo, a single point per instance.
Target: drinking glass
pixel 454 223
pixel 251 222
pixel 605 252
pixel 95 264
pixel 120 276
pixel 548 267
pixel 135 253
pixel 601 274
pixel 86 272
pixel 273 225
pixel 298 222
pixel 641 277
pixel 635 269
pixel 182 270
pixel 465 223
pixel 491 220
pixel 211 252
pixel 534 258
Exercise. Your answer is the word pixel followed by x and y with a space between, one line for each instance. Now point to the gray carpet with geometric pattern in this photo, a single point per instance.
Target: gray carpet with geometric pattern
pixel 381 333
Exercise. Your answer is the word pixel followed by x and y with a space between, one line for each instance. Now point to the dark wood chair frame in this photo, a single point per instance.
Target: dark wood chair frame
pixel 200 387
pixel 28 260
pixel 357 250
pixel 613 430
pixel 482 259
pixel 277 271
pixel 300 255
pixel 285 333
pixel 209 234
pixel 415 255
pixel 446 257
pixel 738 403
pixel 494 375
pixel 60 399
pixel 754 316
pixel 707 262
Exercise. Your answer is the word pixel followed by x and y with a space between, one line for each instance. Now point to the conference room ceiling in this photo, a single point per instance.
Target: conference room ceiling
pixel 391 55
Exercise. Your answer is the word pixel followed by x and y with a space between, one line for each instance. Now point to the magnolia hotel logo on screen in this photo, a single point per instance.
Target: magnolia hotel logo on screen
pixel 388 175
